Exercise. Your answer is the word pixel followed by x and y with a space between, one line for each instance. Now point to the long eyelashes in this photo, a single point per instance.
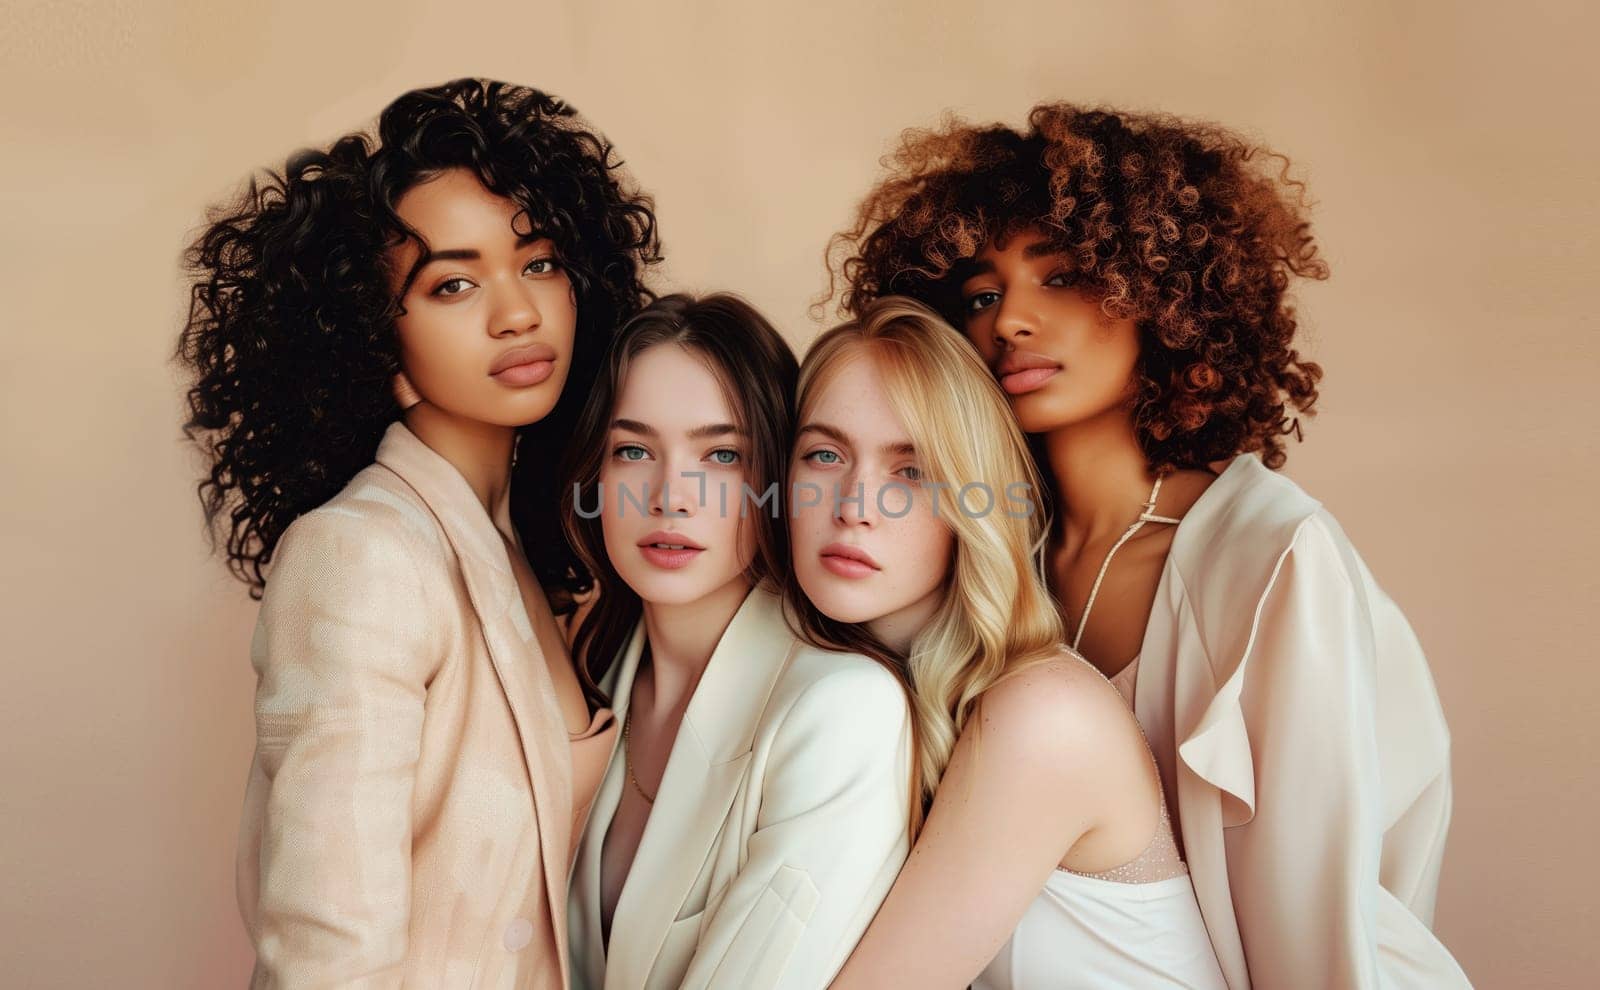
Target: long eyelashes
pixel 985 298
pixel 622 452
pixel 551 263
pixel 813 457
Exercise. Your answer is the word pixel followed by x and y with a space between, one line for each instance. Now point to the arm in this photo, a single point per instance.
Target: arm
pixel 831 833
pixel 1304 871
pixel 343 654
pixel 1010 806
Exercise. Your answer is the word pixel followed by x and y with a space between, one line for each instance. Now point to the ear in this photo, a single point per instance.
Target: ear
pixel 405 393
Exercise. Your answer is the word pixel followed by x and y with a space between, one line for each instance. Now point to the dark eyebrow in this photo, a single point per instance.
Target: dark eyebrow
pixel 715 430
pixel 837 436
pixel 698 433
pixel 472 254
pixel 973 267
pixel 427 257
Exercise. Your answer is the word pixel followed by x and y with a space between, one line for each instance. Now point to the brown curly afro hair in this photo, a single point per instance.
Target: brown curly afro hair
pixel 1176 224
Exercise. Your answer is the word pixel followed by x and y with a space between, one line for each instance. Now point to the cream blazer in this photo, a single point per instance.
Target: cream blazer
pixel 779 827
pixel 1295 721
pixel 407 820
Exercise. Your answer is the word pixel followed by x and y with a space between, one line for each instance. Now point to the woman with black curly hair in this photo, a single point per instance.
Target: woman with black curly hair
pixel 1126 278
pixel 389 340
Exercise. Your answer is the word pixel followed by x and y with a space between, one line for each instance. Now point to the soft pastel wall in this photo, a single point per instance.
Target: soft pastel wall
pixel 1454 175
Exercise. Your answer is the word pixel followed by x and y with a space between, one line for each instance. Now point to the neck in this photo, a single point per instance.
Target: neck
pixel 1102 477
pixel 683 637
pixel 898 630
pixel 480 451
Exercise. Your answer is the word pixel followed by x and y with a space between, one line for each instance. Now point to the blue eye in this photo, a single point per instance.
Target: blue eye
pixel 816 456
pixel 627 450
pixel 732 456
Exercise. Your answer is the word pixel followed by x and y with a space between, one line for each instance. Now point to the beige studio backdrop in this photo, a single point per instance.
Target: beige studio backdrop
pixel 1450 149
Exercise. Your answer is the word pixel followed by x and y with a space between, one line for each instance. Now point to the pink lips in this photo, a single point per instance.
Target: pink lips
pixel 1023 371
pixel 669 550
pixel 524 366
pixel 848 561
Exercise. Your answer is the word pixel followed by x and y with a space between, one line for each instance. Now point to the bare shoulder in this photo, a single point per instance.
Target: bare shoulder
pixel 1052 695
pixel 1058 713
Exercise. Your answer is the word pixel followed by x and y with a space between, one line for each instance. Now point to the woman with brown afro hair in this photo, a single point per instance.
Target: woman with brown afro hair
pixel 1126 278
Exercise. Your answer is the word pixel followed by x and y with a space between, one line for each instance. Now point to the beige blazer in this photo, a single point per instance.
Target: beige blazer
pixel 408 813
pixel 778 829
pixel 1294 718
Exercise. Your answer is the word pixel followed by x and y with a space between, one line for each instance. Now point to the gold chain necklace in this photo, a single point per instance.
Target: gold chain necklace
pixel 627 758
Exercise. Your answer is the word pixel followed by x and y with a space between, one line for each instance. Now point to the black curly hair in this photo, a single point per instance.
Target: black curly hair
pixel 290 335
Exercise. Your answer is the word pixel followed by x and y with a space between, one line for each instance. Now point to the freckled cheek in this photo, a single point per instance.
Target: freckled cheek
pixel 805 532
pixel 905 545
pixel 934 543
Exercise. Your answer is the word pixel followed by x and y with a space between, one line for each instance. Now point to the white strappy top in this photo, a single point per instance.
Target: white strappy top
pixel 1126 680
pixel 1137 925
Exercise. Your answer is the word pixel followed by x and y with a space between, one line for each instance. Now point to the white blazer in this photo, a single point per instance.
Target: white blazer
pixel 779 827
pixel 1302 742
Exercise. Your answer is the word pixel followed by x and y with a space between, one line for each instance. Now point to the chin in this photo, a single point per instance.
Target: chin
pixel 659 588
pixel 841 604
pixel 533 408
pixel 1035 412
pixel 1042 415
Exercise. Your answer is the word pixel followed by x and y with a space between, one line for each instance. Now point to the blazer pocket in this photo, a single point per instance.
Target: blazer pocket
pixel 683 937
pixel 770 933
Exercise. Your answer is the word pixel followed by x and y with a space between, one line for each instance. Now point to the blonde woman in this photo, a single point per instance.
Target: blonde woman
pixel 1047 857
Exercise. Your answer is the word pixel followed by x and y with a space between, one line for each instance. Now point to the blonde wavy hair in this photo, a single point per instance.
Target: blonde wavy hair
pixel 996 615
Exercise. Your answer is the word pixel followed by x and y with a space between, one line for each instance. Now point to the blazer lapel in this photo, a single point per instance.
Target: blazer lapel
pixel 585 880
pixel 514 650
pixel 708 762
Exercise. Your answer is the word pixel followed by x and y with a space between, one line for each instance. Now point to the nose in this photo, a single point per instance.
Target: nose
pixel 854 504
pixel 673 495
pixel 1014 321
pixel 515 310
